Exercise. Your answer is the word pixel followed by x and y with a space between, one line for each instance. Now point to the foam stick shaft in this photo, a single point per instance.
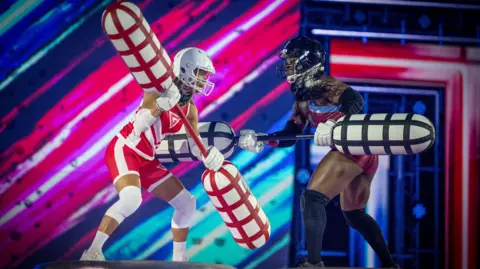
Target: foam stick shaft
pixel 190 130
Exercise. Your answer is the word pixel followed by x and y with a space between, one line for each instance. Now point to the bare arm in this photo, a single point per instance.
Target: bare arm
pixel 193 117
pixel 149 103
pixel 295 125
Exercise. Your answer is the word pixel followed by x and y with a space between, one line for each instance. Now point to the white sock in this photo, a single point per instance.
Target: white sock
pixel 100 239
pixel 180 251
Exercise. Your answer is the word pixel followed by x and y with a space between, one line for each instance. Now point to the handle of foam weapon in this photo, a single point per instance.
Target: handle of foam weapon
pixel 270 137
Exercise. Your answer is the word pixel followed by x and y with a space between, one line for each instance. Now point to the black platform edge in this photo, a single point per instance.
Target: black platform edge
pixel 129 265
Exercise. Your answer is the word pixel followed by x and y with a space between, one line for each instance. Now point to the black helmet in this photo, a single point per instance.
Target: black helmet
pixel 307 53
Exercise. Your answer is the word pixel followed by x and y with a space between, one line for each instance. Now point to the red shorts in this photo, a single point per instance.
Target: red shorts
pixel 368 163
pixel 122 160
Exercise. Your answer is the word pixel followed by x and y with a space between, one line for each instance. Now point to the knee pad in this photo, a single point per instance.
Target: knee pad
pixel 185 205
pixel 130 200
pixel 315 197
pixel 354 218
pixel 311 202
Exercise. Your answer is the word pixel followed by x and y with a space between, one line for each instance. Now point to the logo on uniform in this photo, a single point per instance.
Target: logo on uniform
pixel 174 119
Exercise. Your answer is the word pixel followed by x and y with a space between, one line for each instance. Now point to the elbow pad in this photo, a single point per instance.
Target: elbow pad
pixel 143 120
pixel 351 101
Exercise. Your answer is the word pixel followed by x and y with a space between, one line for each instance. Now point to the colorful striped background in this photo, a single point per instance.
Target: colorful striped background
pixel 64 93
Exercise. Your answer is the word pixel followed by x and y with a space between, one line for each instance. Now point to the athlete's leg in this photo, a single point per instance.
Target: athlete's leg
pixel 353 201
pixel 329 179
pixel 165 186
pixel 123 165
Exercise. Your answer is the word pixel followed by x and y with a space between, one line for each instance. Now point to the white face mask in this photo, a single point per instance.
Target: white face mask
pixel 201 82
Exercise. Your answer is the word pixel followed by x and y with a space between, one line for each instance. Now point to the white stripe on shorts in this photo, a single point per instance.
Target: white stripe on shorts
pixel 120 161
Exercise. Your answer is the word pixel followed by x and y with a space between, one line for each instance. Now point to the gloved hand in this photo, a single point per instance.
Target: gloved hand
pixel 214 159
pixel 168 99
pixel 248 141
pixel 323 134
pixel 142 121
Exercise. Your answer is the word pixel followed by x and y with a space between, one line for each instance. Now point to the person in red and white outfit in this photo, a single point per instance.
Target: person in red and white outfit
pixel 130 156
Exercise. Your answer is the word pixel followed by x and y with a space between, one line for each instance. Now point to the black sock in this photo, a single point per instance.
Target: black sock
pixel 315 220
pixel 369 229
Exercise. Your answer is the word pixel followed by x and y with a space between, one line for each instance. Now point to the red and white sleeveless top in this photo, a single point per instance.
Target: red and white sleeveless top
pixel 167 123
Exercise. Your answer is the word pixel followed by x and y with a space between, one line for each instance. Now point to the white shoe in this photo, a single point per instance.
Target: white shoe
pixel 92 255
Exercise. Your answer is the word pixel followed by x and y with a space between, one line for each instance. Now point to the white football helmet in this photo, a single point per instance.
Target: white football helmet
pixel 193 67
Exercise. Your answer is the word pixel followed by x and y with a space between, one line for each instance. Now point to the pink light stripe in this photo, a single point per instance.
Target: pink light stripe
pixel 221 36
pixel 14 113
pixel 74 140
pixel 32 236
pixel 74 155
pixel 238 87
pixel 256 45
pixel 233 35
pixel 190 30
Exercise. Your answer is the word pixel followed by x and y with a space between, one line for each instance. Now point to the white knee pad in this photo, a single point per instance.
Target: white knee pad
pixel 129 202
pixel 185 205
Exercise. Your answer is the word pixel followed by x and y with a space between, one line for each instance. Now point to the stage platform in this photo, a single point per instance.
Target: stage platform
pixel 141 265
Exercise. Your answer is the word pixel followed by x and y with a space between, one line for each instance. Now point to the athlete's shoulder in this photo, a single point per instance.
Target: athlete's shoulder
pixel 301 105
pixel 300 109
